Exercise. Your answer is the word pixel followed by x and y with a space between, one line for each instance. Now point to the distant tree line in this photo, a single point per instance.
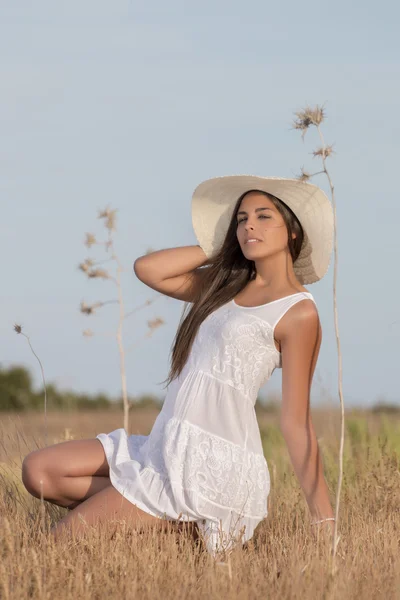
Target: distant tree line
pixel 17 394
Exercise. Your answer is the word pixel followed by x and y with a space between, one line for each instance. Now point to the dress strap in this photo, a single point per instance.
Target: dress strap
pixel 281 308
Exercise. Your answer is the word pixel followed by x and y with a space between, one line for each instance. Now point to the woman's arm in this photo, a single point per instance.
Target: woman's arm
pixel 300 337
pixel 175 272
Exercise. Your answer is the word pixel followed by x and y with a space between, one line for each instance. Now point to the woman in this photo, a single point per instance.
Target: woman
pixel 202 466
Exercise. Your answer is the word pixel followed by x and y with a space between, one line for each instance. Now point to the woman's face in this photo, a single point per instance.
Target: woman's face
pixel 258 218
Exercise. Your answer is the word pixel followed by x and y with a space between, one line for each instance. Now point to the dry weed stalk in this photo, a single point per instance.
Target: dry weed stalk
pixel 18 329
pixel 307 118
pixel 94 270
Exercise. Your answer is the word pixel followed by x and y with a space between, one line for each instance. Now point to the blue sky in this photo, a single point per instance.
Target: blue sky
pixel 131 105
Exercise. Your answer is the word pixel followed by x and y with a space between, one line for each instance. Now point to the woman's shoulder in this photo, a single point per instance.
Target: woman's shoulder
pixel 302 316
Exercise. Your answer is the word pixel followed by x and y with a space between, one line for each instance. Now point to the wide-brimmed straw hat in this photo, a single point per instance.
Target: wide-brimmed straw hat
pixel 213 202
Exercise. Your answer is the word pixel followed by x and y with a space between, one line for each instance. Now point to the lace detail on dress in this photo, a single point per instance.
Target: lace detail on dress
pixel 220 471
pixel 246 356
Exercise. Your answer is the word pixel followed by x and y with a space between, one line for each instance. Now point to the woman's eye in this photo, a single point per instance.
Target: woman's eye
pixel 259 216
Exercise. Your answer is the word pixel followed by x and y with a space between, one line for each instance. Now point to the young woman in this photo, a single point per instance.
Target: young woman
pixel 202 466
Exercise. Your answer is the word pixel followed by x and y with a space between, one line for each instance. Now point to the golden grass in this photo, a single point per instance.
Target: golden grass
pixel 283 560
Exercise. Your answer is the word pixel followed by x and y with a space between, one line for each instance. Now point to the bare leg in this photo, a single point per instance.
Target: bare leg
pixel 67 473
pixel 107 505
pixel 75 475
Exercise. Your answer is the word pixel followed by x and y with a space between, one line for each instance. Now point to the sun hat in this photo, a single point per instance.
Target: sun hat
pixel 213 202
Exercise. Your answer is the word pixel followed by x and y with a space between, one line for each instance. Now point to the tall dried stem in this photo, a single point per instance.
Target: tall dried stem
pixel 93 270
pixel 18 329
pixel 120 343
pixel 306 118
pixel 335 540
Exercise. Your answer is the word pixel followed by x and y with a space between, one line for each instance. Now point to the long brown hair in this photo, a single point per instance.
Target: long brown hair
pixel 225 275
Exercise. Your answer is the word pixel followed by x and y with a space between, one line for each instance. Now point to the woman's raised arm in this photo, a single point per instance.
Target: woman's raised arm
pixel 174 272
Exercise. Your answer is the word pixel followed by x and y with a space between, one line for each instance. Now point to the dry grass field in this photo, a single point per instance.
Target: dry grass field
pixel 283 560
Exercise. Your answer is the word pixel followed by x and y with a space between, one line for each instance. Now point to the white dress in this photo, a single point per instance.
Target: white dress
pixel 203 459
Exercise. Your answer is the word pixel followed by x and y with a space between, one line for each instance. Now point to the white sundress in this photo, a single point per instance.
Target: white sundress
pixel 203 460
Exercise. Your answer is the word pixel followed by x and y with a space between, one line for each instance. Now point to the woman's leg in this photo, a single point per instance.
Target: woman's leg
pixel 75 475
pixel 66 473
pixel 107 505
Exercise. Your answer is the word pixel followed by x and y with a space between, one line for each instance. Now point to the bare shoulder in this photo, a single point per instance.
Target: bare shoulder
pixel 301 319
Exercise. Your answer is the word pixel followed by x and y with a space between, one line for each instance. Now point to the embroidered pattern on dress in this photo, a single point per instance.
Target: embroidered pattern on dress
pixel 248 355
pixel 212 467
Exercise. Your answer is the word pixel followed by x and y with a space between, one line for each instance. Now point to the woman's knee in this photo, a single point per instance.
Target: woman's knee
pixel 73 458
pixel 33 474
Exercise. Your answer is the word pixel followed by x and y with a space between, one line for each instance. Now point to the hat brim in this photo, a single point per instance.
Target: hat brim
pixel 213 202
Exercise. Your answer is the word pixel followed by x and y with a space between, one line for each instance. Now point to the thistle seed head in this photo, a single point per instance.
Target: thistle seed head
pixel 86 265
pixel 87 333
pixel 153 324
pixel 304 175
pixel 90 240
pixel 324 152
pixel 87 309
pixel 17 328
pixel 307 117
pixel 109 217
pixel 98 273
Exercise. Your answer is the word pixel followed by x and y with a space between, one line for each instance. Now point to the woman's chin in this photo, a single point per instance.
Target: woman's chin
pixel 251 249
